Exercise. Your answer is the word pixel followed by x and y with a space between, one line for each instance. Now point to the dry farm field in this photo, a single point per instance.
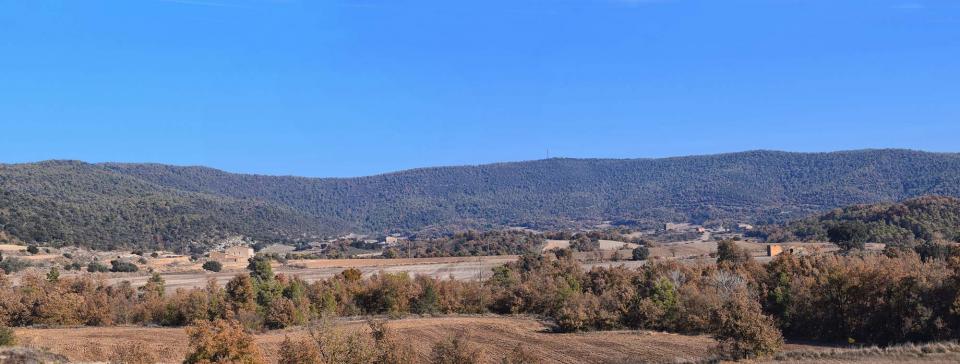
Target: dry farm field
pixel 496 336
pixel 461 268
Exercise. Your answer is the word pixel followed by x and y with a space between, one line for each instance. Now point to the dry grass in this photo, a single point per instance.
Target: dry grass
pixel 464 268
pixel 12 248
pixel 40 257
pixel 615 245
pixel 604 245
pixel 495 336
pixel 366 263
pixel 556 244
pixel 940 352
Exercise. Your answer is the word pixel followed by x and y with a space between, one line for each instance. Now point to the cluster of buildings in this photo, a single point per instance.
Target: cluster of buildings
pixel 685 227
pixel 233 254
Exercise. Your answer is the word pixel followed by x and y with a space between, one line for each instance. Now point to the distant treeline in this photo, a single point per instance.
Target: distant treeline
pixel 148 205
pixel 470 243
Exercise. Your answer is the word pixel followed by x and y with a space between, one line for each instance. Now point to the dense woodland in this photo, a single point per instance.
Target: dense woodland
pixel 915 222
pixel 470 243
pixel 747 306
pixel 111 205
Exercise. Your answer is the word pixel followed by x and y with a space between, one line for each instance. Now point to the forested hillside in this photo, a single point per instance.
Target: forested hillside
pixel 127 204
pixel 67 203
pixel 912 222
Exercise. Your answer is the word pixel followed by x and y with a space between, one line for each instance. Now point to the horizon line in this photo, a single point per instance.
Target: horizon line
pixel 106 163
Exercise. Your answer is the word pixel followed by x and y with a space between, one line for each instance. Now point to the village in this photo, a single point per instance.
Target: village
pixel 681 241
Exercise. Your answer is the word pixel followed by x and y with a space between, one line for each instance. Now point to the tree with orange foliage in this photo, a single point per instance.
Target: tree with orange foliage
pixel 221 341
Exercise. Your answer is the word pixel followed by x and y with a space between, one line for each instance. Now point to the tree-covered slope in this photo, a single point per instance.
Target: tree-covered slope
pixel 911 222
pixel 124 203
pixel 78 203
pixel 758 185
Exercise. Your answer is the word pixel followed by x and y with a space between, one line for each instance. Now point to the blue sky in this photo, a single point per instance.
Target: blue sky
pixel 347 88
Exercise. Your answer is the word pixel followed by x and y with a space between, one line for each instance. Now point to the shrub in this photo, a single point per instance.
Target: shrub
pixel 849 235
pixel 743 331
pixel 260 269
pixel 298 352
pixel 428 300
pixel 455 351
pixel 390 253
pixel 730 253
pixel 390 348
pixel 281 313
pixel 241 294
pixel 54 274
pixel 336 346
pixel 221 341
pixel 351 274
pixel 122 266
pixel 641 253
pixel 7 336
pixel 213 266
pixel 132 353
pixel 95 267
pixel 13 265
pixel 33 249
pixel 577 312
pixel 583 243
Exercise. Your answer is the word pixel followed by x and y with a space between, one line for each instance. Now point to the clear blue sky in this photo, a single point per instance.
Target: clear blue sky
pixel 356 87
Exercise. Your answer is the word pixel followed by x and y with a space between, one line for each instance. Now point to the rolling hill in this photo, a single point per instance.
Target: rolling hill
pixel 104 205
pixel 908 223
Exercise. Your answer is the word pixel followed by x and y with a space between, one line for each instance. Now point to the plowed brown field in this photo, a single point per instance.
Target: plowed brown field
pixel 495 335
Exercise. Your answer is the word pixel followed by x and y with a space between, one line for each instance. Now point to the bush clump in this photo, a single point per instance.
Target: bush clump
pixel 221 341
pixel 95 267
pixel 641 253
pixel 213 266
pixel 455 350
pixel 7 336
pixel 121 266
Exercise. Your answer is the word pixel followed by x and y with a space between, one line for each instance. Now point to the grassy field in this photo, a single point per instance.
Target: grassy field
pixel 942 352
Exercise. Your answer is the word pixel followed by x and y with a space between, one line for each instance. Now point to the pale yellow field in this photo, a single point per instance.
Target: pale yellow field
pixel 40 257
pixel 12 248
pixel 604 245
pixel 462 268
pixel 366 263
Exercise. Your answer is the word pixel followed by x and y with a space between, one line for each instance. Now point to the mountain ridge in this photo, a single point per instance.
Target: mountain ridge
pixel 490 164
pixel 557 193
